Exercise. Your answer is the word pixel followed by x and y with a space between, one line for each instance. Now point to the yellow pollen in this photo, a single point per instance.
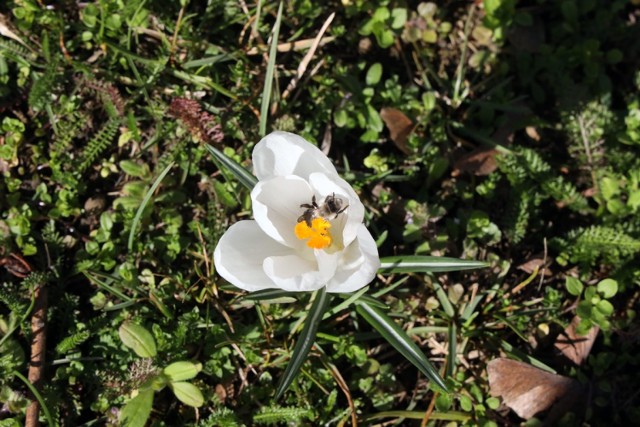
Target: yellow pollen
pixel 318 234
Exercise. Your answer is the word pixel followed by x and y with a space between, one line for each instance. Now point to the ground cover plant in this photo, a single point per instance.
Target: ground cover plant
pixel 494 148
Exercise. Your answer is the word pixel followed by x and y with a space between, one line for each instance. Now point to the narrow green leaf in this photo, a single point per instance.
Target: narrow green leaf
pixel 305 340
pixel 138 339
pixel 399 340
pixel 182 370
pixel 453 349
pixel 443 299
pixel 147 197
pixel 187 393
pixel 136 412
pixel 268 294
pixel 51 422
pixel 423 264
pixel 268 80
pixel 419 415
pixel 245 177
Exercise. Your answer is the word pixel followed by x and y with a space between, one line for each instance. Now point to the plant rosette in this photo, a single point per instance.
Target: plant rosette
pixel 308 231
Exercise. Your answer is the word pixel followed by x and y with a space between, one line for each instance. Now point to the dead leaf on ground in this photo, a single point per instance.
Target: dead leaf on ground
pixel 400 127
pixel 479 162
pixel 528 390
pixel 530 265
pixel 576 347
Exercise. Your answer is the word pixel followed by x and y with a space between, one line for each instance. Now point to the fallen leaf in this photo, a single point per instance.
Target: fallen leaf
pixel 531 264
pixel 479 162
pixel 576 347
pixel 528 390
pixel 400 127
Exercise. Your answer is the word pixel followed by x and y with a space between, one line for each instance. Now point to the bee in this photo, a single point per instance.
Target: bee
pixel 332 206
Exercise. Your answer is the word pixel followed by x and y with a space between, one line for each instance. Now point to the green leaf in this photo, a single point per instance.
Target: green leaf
pixel 584 309
pixel 268 80
pixel 399 340
pixel 138 339
pixel 305 340
pixel 268 294
pixel 243 176
pixel 573 285
pixel 182 370
pixel 607 288
pixel 187 393
pixel 424 264
pixel 374 74
pixel 605 307
pixel 135 169
pixel 399 16
pixel 136 412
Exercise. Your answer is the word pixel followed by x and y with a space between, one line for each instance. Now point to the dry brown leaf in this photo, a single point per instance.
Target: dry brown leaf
pixel 479 162
pixel 525 389
pixel 400 127
pixel 530 265
pixel 576 347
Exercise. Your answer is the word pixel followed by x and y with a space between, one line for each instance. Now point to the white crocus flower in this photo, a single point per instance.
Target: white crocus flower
pixel 294 247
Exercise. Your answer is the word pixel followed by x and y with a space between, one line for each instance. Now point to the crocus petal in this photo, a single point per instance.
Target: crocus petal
pixel 283 153
pixel 240 254
pixel 276 207
pixel 294 273
pixel 358 266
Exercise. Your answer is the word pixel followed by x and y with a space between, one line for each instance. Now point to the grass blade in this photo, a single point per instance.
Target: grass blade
pixel 395 336
pixel 425 264
pixel 305 340
pixel 245 177
pixel 267 294
pixel 268 80
pixel 453 349
pixel 147 197
pixel 47 414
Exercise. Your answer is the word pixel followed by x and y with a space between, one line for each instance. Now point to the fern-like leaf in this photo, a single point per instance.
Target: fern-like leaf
pixel 588 245
pixel 99 143
pixel 516 220
pixel 279 414
pixel 71 342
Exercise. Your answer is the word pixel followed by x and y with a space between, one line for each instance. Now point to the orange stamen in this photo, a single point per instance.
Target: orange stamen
pixel 318 234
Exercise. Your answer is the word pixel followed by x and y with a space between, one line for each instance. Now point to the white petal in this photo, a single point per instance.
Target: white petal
pixel 240 254
pixel 284 153
pixel 294 273
pixel 358 266
pixel 325 185
pixel 276 207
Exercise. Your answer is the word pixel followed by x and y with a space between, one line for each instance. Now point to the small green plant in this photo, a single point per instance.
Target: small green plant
pixel 137 410
pixel 595 307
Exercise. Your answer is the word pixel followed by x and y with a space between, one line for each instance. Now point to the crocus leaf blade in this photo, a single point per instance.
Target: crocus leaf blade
pixel 268 294
pixel 426 264
pixel 395 336
pixel 243 176
pixel 305 340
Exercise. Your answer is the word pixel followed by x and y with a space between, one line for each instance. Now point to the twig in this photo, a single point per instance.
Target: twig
pixel 307 58
pixel 38 347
